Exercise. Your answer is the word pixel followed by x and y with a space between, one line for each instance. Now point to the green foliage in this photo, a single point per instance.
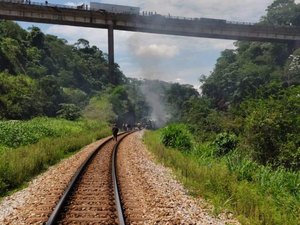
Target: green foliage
pixel 36 37
pixel 239 78
pixel 19 97
pixel 99 108
pixel 69 112
pixel 75 96
pixel 18 166
pixel 283 12
pixel 254 93
pixel 128 103
pixel 225 143
pixel 51 95
pixel 120 104
pixel 254 193
pixel 176 96
pixel 138 99
pixel 292 69
pixel 206 122
pixel 177 136
pixel 19 133
pixel 53 71
pixel 273 127
pixel 119 99
pixel 12 52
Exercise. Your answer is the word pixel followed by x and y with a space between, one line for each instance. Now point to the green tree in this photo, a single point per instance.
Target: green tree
pixel 283 12
pixel 176 96
pixel 51 95
pixel 19 97
pixel 36 37
pixel 272 128
pixel 11 52
pixel 69 111
pixel 292 70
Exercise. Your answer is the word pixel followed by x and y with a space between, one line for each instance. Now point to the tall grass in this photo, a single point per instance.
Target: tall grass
pixel 19 165
pixel 269 197
pixel 15 133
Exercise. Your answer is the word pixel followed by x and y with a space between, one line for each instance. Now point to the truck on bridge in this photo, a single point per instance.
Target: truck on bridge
pixel 14 1
pixel 111 8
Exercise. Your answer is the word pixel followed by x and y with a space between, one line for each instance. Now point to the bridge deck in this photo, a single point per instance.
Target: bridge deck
pixel 64 15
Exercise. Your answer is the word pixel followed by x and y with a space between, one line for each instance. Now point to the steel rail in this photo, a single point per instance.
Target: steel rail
pixel 56 212
pixel 120 209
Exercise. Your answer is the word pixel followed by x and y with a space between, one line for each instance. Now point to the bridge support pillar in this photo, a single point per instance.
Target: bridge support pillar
pixel 297 44
pixel 111 58
pixel 293 45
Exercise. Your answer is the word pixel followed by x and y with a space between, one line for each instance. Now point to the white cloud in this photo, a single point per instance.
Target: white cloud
pixel 68 31
pixel 96 37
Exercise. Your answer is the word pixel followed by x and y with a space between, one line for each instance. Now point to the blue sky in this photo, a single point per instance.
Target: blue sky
pixel 164 57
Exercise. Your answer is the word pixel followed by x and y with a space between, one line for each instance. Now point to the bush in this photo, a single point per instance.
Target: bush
pixel 17 133
pixel 272 129
pixel 177 136
pixel 225 142
pixel 69 111
pixel 254 193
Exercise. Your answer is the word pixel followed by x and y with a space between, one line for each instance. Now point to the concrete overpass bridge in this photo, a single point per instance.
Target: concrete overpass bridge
pixel 146 22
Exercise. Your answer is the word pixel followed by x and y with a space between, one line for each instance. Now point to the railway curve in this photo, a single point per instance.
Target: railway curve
pixel 149 192
pixel 91 194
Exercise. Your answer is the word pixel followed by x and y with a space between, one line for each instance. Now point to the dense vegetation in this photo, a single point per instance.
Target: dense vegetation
pixel 244 153
pixel 253 93
pixel 240 135
pixel 41 75
pixel 28 148
pixel 56 98
pixel 255 194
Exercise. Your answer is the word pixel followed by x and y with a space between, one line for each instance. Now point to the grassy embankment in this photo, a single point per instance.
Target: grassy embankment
pixel 256 194
pixel 29 147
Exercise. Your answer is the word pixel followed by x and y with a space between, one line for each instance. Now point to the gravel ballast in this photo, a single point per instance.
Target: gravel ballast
pixel 161 199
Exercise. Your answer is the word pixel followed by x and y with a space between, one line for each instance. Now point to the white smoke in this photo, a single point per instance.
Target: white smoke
pixel 151 91
pixel 155 51
pixel 153 55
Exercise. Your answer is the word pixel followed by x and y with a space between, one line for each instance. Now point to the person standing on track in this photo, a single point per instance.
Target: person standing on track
pixel 115 131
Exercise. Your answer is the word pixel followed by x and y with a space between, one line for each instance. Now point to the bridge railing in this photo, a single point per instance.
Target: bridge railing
pixel 46 3
pixel 143 13
pixel 240 23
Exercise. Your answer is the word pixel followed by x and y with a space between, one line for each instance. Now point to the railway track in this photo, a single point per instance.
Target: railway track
pixel 149 195
pixel 93 197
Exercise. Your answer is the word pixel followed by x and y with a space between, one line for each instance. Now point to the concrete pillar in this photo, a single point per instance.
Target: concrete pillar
pixel 111 58
pixel 297 44
pixel 293 45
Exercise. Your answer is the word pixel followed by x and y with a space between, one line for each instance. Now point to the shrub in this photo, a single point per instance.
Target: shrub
pixel 254 193
pixel 17 133
pixel 69 111
pixel 225 142
pixel 177 136
pixel 272 129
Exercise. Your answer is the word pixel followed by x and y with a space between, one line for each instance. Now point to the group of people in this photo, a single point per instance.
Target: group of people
pixel 125 127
